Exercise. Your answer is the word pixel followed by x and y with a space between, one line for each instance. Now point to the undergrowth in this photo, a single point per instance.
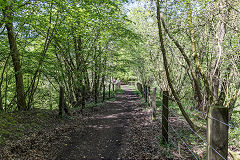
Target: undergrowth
pixel 184 131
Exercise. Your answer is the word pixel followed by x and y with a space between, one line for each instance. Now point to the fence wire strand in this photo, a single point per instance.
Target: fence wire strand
pixel 182 140
pixel 169 136
pixel 205 141
pixel 202 113
pixel 194 133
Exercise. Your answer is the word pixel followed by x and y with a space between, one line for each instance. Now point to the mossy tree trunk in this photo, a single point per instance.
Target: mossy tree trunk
pixel 21 98
pixel 197 84
pixel 165 63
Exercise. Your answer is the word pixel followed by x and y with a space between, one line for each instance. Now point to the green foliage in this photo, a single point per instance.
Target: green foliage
pixel 63 43
pixel 86 44
pixel 235 131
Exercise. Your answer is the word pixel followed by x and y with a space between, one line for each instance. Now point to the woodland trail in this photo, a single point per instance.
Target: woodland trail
pixel 106 134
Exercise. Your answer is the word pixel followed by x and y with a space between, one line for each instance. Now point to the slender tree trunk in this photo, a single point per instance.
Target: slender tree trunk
pixel 103 80
pixel 70 94
pixel 87 82
pixel 233 99
pixel 34 83
pixel 221 31
pixel 83 97
pixel 96 86
pixel 77 46
pixel 95 82
pixel 95 89
pixel 1 104
pixel 1 82
pixel 165 63
pixel 5 93
pixel 61 101
pixel 154 106
pixel 21 98
pixel 197 87
pixel 194 50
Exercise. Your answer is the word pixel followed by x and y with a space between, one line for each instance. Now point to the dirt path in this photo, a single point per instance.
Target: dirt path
pixel 119 129
pixel 104 133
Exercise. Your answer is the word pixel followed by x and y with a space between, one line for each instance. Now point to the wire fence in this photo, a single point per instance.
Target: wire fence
pixel 198 135
pixel 178 135
pixel 202 138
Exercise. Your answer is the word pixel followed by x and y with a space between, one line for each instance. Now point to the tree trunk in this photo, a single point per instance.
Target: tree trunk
pixel 221 31
pixel 83 97
pixel 87 82
pixel 21 98
pixel 78 50
pixel 95 90
pixel 197 87
pixel 1 82
pixel 149 96
pixel 1 104
pixel 61 101
pixel 195 55
pixel 96 83
pixel 154 106
pixel 165 63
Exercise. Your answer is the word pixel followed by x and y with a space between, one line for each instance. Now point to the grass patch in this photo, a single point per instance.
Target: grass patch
pixel 118 91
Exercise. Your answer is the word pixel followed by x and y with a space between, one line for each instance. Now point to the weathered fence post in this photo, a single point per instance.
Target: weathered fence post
pixel 154 106
pixel 109 90
pixel 165 113
pixel 61 101
pixel 217 133
pixel 103 93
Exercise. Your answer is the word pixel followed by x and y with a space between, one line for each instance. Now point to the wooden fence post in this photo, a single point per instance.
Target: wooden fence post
pixel 103 93
pixel 165 113
pixel 217 133
pixel 61 101
pixel 109 90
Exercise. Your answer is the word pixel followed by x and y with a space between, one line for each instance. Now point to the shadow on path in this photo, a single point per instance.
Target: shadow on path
pixel 102 135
